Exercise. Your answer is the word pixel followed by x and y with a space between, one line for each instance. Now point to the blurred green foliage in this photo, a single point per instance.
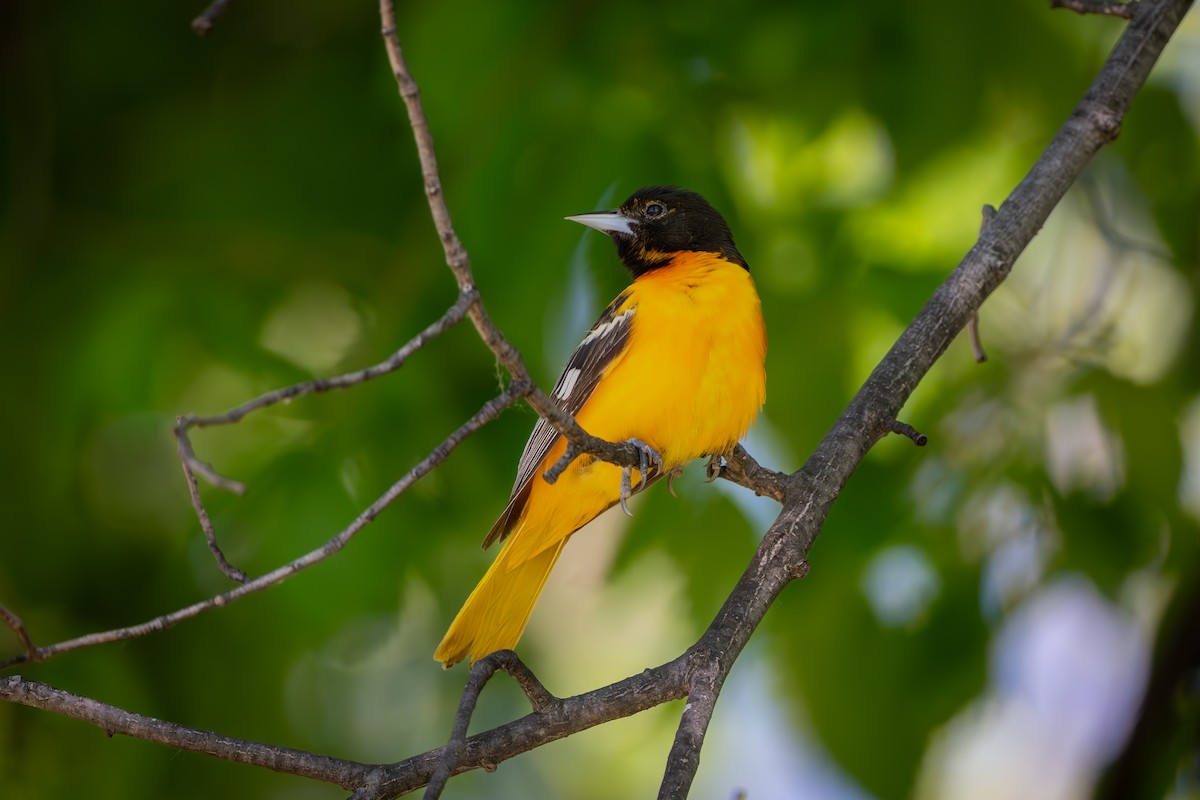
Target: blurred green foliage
pixel 190 222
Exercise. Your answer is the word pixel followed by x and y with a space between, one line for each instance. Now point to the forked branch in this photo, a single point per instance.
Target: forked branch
pixel 490 410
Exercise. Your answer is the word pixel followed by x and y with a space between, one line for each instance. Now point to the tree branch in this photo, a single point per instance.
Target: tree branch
pixel 703 689
pixel 187 458
pixel 1102 7
pixel 1094 123
pixel 558 719
pixel 113 720
pixel 453 315
pixel 741 468
pixel 481 672
pixel 908 431
pixel 620 453
pixel 807 495
pixel 32 652
pixel 193 466
pixel 490 410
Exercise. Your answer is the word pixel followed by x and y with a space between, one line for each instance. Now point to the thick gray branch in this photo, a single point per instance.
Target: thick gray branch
pixel 1094 123
pixel 113 720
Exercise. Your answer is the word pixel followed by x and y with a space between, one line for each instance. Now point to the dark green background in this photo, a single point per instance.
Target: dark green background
pixel 190 222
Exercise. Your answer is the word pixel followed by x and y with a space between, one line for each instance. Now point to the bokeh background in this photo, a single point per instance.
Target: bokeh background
pixel 187 223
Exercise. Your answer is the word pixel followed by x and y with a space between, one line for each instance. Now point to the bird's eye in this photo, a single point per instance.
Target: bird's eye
pixel 655 210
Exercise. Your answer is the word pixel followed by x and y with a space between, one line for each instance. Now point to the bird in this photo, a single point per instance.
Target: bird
pixel 675 365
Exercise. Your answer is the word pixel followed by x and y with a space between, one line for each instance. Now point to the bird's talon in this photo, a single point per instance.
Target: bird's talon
pixel 626 489
pixel 648 458
pixel 671 476
pixel 714 467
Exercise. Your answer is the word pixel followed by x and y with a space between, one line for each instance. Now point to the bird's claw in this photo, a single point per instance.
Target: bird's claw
pixel 716 463
pixel 671 476
pixel 648 458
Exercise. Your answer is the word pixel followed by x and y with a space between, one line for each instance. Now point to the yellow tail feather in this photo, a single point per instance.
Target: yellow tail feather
pixel 495 615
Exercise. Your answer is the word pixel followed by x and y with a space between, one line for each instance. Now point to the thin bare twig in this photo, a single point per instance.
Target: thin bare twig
pixel 556 720
pixel 204 23
pixel 113 720
pixel 490 410
pixel 481 672
pixel 904 429
pixel 32 652
pixel 620 453
pixel 186 458
pixel 456 255
pixel 1102 7
pixel 193 466
pixel 556 470
pixel 453 315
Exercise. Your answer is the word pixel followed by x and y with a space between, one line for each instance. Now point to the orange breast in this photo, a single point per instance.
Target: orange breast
pixel 690 383
pixel 692 380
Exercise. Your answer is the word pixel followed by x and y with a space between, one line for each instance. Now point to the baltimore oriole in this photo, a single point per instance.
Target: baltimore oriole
pixel 673 365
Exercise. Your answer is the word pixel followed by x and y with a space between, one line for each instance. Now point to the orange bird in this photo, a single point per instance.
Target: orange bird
pixel 674 365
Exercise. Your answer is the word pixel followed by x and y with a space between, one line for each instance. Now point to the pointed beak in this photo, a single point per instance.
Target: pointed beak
pixel 607 221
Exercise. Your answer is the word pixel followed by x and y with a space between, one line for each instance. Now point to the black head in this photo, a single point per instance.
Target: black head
pixel 657 222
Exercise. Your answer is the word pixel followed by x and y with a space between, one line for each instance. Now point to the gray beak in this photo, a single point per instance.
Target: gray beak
pixel 606 221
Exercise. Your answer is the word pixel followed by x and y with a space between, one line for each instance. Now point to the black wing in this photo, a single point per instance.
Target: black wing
pixel 604 342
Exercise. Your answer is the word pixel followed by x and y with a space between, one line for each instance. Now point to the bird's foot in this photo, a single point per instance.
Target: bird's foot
pixel 716 463
pixel 650 458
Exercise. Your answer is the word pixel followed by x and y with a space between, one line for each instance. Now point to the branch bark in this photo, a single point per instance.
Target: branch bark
pixel 490 410
pixel 113 720
pixel 481 672
pixel 810 493
pixel 806 495
pixel 620 453
pixel 1125 10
